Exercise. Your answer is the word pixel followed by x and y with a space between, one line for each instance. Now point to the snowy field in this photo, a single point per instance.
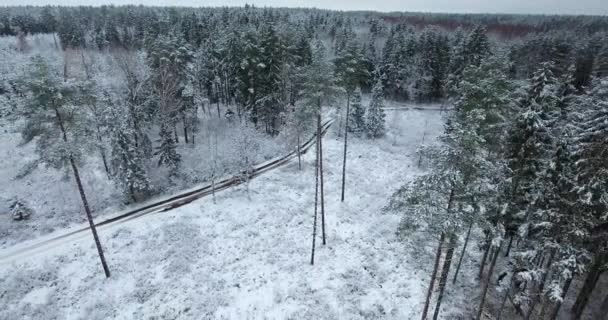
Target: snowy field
pixel 247 256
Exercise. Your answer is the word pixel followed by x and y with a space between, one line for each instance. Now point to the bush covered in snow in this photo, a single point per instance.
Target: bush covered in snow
pixel 20 211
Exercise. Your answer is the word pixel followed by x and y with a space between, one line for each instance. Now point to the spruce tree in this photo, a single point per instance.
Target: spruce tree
pixel 356 120
pixel 592 183
pixel 167 151
pixel 128 164
pixel 375 123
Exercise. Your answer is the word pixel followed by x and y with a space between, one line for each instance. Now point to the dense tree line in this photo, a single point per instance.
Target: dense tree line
pixel 524 162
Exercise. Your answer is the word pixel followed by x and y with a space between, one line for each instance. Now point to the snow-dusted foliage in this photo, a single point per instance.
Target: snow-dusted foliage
pixel 375 122
pixel 20 211
pixel 113 106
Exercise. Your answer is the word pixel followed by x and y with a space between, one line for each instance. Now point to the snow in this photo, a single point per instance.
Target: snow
pixel 53 196
pixel 248 257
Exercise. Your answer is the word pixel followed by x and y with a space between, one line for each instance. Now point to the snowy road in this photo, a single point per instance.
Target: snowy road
pixel 45 243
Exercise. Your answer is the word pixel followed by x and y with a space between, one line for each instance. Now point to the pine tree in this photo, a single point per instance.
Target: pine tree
pixel 351 72
pixel 57 122
pixel 320 87
pixel 375 126
pixel 439 200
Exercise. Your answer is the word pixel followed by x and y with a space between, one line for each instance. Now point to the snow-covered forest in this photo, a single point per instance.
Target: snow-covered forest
pixel 442 166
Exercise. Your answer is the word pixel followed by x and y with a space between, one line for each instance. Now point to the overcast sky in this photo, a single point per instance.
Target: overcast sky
pixel 595 7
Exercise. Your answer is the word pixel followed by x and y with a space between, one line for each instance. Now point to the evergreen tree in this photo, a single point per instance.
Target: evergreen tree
pixel 433 65
pixel 356 120
pixel 351 72
pixel 320 87
pixel 167 151
pixel 600 67
pixel 128 163
pixel 375 123
pixel 592 183
pixel 468 52
pixel 53 117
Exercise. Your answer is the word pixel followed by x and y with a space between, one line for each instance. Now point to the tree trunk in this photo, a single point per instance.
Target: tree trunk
pixel 83 197
pixel 509 246
pixel 219 115
pixel 429 292
pixel 345 146
pixel 185 129
pixel 87 210
pixel 321 176
pixel 314 225
pixel 486 284
pixel 447 263
pixel 590 282
pixel 213 186
pixel 55 41
pixel 299 153
pixel 464 250
pixel 565 289
pixel 541 286
pixel 504 299
pixel 604 307
pixel 102 152
pixel 175 132
pixel 485 257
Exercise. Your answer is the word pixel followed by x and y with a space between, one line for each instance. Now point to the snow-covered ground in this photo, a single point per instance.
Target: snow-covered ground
pixel 246 255
pixel 52 194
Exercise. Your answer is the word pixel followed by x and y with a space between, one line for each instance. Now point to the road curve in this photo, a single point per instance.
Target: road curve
pixel 21 251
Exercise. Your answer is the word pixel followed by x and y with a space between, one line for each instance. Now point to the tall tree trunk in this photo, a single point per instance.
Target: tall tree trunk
pixel 314 225
pixel 429 292
pixel 219 115
pixel 185 129
pixel 541 286
pixel 558 305
pixel 175 132
pixel 447 263
pixel 504 299
pixel 55 41
pixel 509 246
pixel 464 250
pixel 590 282
pixel 486 284
pixel 299 152
pixel 321 175
pixel 484 258
pixel 345 146
pixel 102 152
pixel 83 197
